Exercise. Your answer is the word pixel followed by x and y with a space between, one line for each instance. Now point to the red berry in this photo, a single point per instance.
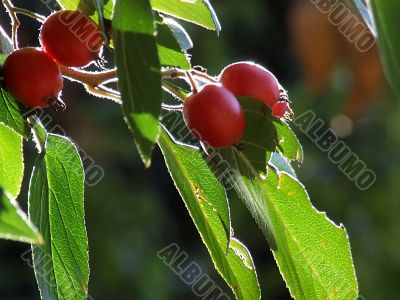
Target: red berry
pixel 281 109
pixel 32 77
pixel 251 80
pixel 71 38
pixel 215 116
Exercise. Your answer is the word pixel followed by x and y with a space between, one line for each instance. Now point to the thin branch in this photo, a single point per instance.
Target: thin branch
pixel 100 91
pixel 14 21
pixel 202 75
pixel 30 14
pixel 175 73
pixel 89 78
pixel 193 83
pixel 172 107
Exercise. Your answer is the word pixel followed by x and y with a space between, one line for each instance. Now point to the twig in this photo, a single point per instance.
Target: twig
pixel 14 21
pixel 101 92
pixel 192 82
pixel 89 78
pixel 94 81
pixel 202 75
pixel 169 107
pixel 28 13
pixel 174 73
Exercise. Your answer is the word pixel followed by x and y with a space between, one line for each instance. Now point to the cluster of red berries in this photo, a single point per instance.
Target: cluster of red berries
pixel 215 115
pixel 68 38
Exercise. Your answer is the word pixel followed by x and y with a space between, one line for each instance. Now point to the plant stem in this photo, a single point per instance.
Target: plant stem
pixel 14 21
pixel 202 75
pixel 28 13
pixel 174 73
pixel 103 92
pixel 169 107
pixel 192 82
pixel 89 78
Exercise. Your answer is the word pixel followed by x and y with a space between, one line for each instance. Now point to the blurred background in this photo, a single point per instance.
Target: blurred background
pixel 133 213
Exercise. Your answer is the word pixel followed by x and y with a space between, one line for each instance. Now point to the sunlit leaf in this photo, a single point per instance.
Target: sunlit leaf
pixel 138 72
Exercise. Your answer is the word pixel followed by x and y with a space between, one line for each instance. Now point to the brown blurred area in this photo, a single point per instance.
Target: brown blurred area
pixel 320 48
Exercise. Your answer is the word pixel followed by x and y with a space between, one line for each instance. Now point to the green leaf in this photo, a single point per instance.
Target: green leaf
pixel 39 214
pixel 205 199
pixel 169 51
pixel 313 254
pixel 247 185
pixel 261 136
pixel 11 161
pixel 90 7
pixel 139 77
pixel 70 4
pixel 180 34
pixel 5 42
pixel 56 207
pixel 387 24
pixel 310 250
pixel 199 12
pixel 11 113
pixel 14 225
pixel 108 9
pixel 287 143
pixel 2 59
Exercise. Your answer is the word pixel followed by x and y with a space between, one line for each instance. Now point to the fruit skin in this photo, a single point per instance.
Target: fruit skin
pixel 251 80
pixel 281 109
pixel 71 38
pixel 32 77
pixel 215 116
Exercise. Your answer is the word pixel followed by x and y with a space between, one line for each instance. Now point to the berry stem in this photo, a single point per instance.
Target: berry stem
pixel 103 92
pixel 30 14
pixel 192 83
pixel 94 82
pixel 89 78
pixel 14 21
pixel 203 75
pixel 169 107
pixel 174 73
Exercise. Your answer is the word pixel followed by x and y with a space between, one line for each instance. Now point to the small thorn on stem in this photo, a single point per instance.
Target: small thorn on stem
pixel 57 104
